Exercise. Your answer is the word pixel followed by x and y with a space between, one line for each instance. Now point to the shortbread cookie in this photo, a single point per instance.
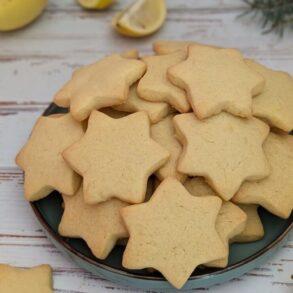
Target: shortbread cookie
pixel 224 149
pixel 116 157
pixel 34 280
pixel 156 111
pixel 100 225
pixel 275 103
pixel 164 134
pixel 253 230
pixel 217 80
pixel 154 85
pixel 274 193
pixel 41 160
pixel 172 232
pixel 230 222
pixel 91 87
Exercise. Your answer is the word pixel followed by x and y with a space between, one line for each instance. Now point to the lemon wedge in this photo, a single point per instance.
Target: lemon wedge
pixel 95 4
pixel 15 14
pixel 141 18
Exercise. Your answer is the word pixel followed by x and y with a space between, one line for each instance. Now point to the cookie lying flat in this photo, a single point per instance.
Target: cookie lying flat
pixel 33 280
pixel 172 232
pixel 224 149
pixel 253 230
pixel 216 80
pixel 41 159
pixel 91 87
pixel 99 225
pixel 116 157
pixel 155 111
pixel 164 134
pixel 275 103
pixel 154 85
pixel 230 222
pixel 274 193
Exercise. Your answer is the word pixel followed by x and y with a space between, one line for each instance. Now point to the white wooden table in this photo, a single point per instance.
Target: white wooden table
pixel 36 61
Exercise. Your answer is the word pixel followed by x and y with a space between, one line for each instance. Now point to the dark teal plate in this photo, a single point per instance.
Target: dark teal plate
pixel 243 257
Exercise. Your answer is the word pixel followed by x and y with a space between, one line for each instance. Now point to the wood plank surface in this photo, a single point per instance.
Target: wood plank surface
pixel 36 61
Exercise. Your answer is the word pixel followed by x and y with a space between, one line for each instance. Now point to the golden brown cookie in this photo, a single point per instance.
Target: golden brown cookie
pixel 156 111
pixel 91 87
pixel 33 280
pixel 216 80
pixel 172 232
pixel 164 134
pixel 116 157
pixel 100 225
pixel 274 193
pixel 41 159
pixel 275 103
pixel 224 149
pixel 253 230
pixel 154 85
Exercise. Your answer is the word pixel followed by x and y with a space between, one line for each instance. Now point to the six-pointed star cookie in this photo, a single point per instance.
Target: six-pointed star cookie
pixel 172 232
pixel 275 103
pixel 154 85
pixel 156 111
pixel 100 225
pixel 33 280
pixel 274 193
pixel 41 158
pixel 230 222
pixel 224 149
pixel 163 133
pixel 116 157
pixel 253 230
pixel 102 84
pixel 217 80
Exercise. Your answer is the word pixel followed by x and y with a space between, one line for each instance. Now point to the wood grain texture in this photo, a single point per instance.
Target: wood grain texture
pixel 36 61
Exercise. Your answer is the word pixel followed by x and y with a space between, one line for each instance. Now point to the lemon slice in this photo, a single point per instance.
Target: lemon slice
pixel 141 18
pixel 15 14
pixel 95 4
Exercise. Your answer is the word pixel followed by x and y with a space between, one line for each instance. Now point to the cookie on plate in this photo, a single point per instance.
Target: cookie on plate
pixel 41 160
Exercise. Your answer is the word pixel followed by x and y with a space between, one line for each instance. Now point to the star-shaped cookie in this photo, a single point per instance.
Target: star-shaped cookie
pixel 231 219
pixel 154 85
pixel 100 225
pixel 116 157
pixel 156 111
pixel 33 280
pixel 41 159
pixel 275 103
pixel 163 133
pixel 172 232
pixel 102 84
pixel 224 149
pixel 253 230
pixel 274 193
pixel 217 80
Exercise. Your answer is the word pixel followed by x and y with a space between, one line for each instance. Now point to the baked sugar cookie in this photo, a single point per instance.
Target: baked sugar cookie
pixel 156 111
pixel 274 193
pixel 172 232
pixel 164 134
pixel 253 230
pixel 154 85
pixel 116 157
pixel 224 149
pixel 100 225
pixel 41 160
pixel 91 87
pixel 275 103
pixel 217 80
pixel 34 280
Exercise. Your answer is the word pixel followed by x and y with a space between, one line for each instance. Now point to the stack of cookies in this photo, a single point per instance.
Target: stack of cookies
pixel 212 127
